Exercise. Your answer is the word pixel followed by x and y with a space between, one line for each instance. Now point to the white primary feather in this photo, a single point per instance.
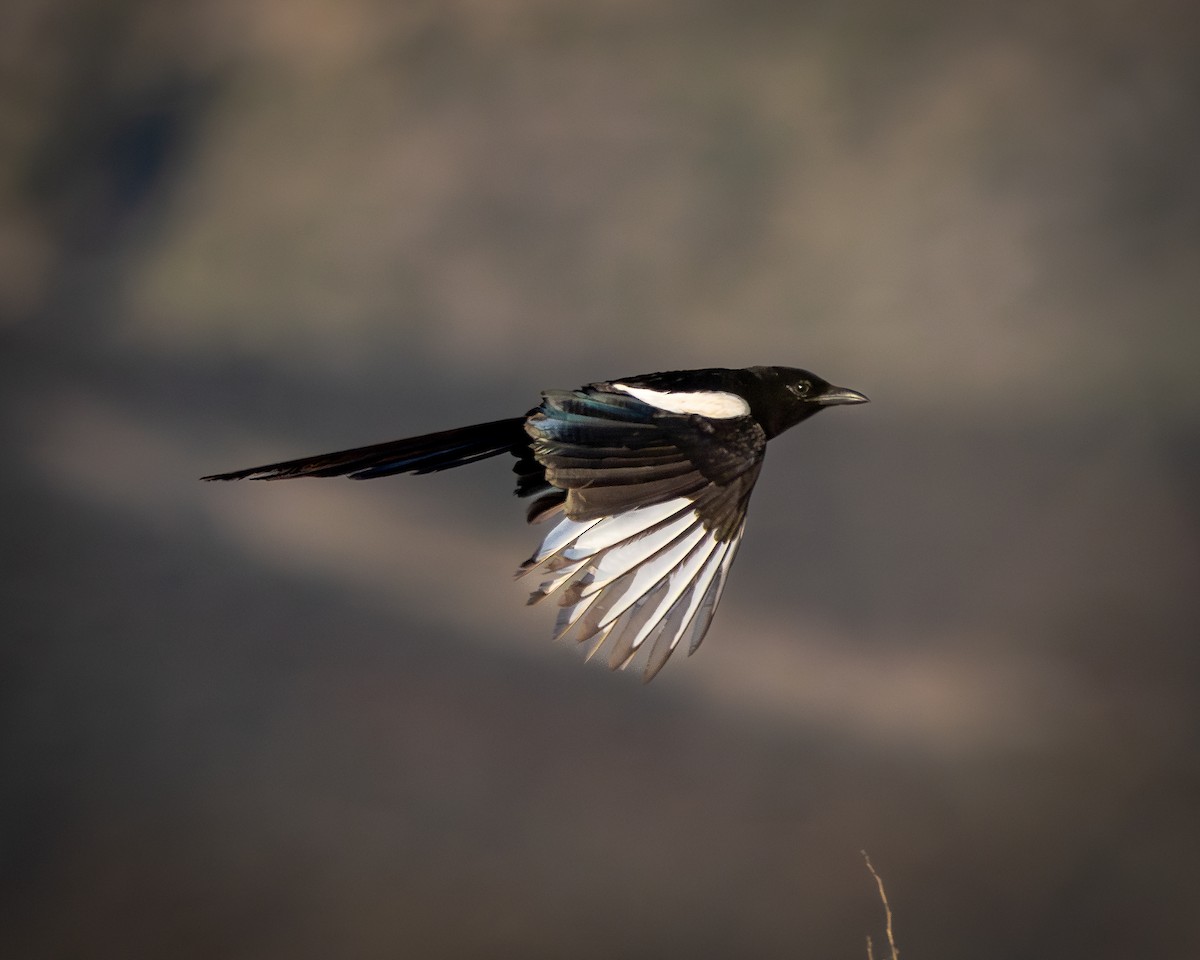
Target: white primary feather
pixel 651 577
pixel 679 580
pixel 622 526
pixel 566 531
pixel 646 575
pixel 565 552
pixel 691 602
pixel 560 572
pixel 617 562
pixel 708 605
pixel 691 612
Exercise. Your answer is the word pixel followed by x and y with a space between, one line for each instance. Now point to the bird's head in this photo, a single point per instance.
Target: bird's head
pixel 788 395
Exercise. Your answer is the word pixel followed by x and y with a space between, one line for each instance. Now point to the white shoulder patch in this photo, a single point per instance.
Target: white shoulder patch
pixel 716 404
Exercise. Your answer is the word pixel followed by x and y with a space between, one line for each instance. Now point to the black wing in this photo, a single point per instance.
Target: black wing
pixel 654 509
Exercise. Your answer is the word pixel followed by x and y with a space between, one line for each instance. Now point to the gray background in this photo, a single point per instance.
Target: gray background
pixel 315 719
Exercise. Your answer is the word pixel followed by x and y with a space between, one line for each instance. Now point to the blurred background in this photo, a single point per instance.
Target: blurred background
pixel 315 719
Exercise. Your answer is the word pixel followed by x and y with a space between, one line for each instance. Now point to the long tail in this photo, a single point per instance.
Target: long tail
pixel 425 454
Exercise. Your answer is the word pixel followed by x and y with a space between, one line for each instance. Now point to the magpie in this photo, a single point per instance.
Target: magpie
pixel 648 479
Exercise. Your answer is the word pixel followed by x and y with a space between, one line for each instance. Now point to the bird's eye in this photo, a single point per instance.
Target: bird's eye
pixel 800 389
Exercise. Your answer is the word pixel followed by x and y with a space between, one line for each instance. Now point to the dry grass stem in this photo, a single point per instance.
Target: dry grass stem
pixel 895 953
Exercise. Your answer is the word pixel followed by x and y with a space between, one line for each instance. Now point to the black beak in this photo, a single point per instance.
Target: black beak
pixel 838 395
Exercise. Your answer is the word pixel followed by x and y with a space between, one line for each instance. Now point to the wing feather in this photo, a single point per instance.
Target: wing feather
pixel 655 505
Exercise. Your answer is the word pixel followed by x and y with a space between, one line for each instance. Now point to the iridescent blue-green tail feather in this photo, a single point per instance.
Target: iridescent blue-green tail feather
pixel 425 454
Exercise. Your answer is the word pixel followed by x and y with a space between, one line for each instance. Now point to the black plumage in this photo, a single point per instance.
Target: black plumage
pixel 650 477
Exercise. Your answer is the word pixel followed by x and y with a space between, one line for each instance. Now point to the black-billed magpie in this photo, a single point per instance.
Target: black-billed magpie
pixel 649 477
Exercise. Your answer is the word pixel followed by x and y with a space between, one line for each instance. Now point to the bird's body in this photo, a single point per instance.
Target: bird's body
pixel 650 477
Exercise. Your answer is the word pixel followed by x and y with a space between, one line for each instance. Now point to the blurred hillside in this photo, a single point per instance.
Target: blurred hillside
pixel 314 719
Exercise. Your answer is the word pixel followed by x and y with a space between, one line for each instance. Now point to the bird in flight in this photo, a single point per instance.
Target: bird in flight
pixel 647 478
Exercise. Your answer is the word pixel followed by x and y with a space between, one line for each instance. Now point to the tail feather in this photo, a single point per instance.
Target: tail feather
pixel 424 454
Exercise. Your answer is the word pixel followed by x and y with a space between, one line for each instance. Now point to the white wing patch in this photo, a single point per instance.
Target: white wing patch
pixel 648 578
pixel 717 404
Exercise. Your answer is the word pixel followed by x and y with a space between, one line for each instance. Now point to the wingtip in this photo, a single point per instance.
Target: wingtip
pixel 525 567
